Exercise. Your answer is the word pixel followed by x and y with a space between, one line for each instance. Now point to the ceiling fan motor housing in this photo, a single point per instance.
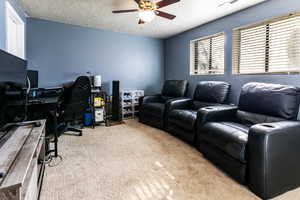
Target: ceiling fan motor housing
pixel 147 5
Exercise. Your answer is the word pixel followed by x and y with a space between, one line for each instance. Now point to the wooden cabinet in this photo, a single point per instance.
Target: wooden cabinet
pixel 22 163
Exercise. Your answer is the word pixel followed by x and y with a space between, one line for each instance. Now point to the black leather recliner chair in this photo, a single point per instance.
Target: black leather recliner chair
pixel 152 108
pixel 258 142
pixel 182 114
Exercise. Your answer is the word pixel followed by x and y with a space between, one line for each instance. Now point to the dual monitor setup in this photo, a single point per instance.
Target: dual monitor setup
pixel 17 82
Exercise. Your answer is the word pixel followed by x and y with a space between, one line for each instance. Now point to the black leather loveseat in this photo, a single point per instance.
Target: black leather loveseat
pixel 153 108
pixel 258 142
pixel 182 114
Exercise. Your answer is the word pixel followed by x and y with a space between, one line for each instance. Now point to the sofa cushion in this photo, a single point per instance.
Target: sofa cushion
pixel 174 88
pixel 153 109
pixel 270 99
pixel 250 119
pixel 211 91
pixel 183 118
pixel 229 137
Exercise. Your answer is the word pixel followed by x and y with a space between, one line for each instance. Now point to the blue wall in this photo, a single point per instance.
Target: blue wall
pixel 2 20
pixel 177 47
pixel 61 52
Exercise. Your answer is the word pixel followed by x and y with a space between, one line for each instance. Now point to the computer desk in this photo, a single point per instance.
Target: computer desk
pixel 47 105
pixel 43 106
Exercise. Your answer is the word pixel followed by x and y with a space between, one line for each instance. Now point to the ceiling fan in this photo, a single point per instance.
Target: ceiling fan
pixel 227 2
pixel 149 9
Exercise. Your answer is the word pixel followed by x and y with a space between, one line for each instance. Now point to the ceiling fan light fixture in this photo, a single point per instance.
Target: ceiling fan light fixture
pixel 146 15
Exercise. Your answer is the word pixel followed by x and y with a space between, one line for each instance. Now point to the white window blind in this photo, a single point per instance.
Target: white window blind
pixel 272 46
pixel 207 55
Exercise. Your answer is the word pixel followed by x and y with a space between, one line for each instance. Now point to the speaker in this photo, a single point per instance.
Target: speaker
pixel 116 115
pixel 33 76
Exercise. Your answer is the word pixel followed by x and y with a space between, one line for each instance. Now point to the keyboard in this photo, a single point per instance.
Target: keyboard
pixel 35 101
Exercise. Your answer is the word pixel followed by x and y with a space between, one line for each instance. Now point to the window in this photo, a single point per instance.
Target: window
pixel 14 32
pixel 271 46
pixel 207 55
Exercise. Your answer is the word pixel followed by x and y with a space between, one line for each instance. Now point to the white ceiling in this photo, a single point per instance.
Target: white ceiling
pixel 98 14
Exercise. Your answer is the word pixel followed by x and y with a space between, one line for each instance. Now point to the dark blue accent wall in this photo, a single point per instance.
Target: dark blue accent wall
pixel 61 52
pixel 177 47
pixel 3 20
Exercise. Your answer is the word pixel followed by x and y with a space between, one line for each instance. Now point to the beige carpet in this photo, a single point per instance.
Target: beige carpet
pixel 136 162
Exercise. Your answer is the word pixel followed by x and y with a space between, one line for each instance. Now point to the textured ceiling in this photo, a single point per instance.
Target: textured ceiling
pixel 98 14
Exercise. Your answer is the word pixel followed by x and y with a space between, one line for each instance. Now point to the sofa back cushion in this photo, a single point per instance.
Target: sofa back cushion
pixel 174 88
pixel 212 91
pixel 280 101
pixel 249 119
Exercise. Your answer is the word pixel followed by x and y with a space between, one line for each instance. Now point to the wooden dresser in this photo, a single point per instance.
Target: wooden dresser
pixel 22 163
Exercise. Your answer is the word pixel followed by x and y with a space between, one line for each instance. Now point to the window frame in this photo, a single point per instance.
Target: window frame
pixel 10 12
pixel 236 45
pixel 192 54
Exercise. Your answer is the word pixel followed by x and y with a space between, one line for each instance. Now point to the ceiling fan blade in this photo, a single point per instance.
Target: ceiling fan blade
pixel 228 2
pixel 124 11
pixel 164 3
pixel 141 22
pixel 165 15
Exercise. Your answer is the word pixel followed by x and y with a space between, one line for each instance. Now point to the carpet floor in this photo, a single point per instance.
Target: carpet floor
pixel 133 161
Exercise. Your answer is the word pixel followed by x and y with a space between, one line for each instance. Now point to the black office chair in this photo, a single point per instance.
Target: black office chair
pixel 75 102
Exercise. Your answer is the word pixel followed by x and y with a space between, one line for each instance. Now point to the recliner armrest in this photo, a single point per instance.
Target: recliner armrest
pixel 149 99
pixel 215 113
pixel 273 158
pixel 178 103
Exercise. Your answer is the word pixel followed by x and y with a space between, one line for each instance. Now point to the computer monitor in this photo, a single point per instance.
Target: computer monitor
pixel 12 69
pixel 13 72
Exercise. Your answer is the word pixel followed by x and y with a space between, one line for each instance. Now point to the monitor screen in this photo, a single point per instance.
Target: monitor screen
pixel 12 69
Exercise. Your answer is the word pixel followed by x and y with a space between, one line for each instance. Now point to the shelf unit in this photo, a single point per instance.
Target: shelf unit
pixel 98 106
pixel 130 103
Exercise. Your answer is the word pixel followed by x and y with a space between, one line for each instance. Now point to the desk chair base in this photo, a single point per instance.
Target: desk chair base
pixel 65 127
pixel 75 130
